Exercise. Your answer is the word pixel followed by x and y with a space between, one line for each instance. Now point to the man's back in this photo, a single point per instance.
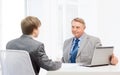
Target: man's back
pixel 36 51
pixel 25 42
pixel 28 44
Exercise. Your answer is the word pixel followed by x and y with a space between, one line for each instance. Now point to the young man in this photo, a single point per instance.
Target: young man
pixel 79 49
pixel 30 29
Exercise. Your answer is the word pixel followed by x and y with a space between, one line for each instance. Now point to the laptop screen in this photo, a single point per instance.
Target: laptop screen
pixel 102 55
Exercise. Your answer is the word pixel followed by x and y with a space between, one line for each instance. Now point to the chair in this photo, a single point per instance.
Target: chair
pixel 16 62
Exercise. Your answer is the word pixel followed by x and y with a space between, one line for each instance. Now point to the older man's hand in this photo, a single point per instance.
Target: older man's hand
pixel 114 60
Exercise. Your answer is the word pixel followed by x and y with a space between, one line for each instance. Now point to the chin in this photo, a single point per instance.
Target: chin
pixel 77 36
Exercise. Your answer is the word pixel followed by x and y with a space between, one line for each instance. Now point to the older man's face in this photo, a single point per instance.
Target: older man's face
pixel 77 29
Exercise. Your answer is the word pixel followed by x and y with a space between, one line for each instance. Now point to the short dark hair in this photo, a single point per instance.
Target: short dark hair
pixel 29 23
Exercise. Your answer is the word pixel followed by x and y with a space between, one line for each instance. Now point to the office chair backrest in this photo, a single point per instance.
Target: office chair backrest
pixel 16 62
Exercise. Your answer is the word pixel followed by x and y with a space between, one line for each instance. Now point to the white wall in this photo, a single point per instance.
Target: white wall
pixel 88 11
pixel 12 13
pixel 0 21
pixel 108 22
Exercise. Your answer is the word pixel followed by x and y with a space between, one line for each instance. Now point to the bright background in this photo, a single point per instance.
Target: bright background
pixel 101 17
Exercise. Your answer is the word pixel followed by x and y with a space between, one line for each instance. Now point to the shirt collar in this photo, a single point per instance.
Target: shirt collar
pixel 76 38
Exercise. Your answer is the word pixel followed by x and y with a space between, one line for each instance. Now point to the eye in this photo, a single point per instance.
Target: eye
pixel 73 27
pixel 77 27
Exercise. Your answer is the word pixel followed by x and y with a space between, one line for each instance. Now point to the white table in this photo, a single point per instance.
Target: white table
pixel 75 69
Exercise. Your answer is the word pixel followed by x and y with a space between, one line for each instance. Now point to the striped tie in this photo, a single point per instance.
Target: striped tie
pixel 74 51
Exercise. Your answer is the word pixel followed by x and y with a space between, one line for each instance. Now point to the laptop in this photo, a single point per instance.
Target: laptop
pixel 101 56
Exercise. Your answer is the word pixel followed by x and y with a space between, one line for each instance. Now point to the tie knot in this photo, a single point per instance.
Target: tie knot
pixel 77 40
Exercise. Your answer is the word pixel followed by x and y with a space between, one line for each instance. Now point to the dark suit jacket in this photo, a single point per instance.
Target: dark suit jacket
pixel 85 52
pixel 36 51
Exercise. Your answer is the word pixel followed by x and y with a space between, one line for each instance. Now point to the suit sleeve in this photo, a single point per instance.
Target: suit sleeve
pixel 45 62
pixel 98 42
pixel 64 45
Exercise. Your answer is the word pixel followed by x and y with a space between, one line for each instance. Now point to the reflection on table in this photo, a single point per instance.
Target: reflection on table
pixel 76 69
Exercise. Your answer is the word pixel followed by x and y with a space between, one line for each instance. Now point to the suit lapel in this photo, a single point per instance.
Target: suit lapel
pixel 83 43
pixel 69 47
